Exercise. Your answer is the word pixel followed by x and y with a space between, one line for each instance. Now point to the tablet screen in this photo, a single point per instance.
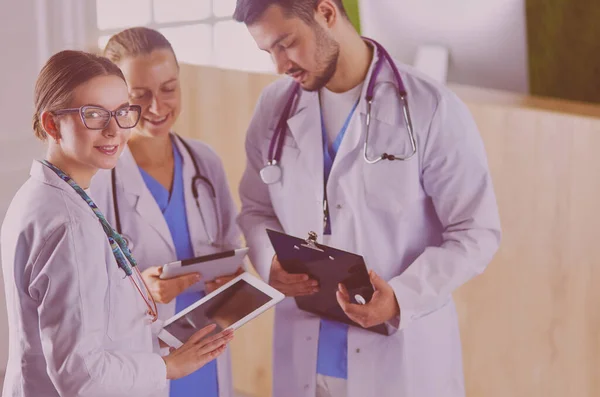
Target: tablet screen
pixel 223 309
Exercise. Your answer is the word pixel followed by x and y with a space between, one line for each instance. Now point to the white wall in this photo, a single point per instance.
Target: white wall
pixel 31 31
pixel 18 69
pixel 486 38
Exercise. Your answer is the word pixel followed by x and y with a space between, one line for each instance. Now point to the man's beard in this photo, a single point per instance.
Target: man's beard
pixel 329 50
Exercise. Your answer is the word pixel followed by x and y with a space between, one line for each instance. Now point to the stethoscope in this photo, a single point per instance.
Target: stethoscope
pixel 198 177
pixel 271 172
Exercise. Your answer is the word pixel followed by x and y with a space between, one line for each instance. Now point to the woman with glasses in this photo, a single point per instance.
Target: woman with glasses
pixel 79 313
pixel 168 196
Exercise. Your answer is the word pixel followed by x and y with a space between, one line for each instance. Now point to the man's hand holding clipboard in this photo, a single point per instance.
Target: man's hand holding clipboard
pixel 291 284
pixel 382 308
pixel 331 283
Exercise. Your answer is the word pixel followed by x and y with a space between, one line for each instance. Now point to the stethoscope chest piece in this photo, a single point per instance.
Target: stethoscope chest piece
pixel 271 173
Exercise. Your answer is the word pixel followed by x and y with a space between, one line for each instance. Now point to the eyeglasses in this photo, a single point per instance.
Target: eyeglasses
pixel 98 118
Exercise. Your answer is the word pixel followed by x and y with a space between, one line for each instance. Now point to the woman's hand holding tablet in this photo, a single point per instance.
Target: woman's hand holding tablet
pixel 165 290
pixel 196 352
pixel 229 307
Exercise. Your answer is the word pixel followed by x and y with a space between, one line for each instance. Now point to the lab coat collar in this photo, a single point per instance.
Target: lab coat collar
pixel 139 197
pixel 195 223
pixel 308 110
pixel 45 175
pixel 127 170
pixel 305 127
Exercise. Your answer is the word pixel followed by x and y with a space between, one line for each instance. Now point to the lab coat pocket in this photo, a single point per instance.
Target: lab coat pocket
pixel 122 303
pixel 391 186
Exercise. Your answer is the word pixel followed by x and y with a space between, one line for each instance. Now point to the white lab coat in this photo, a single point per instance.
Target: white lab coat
pixel 77 327
pixel 427 225
pixel 145 227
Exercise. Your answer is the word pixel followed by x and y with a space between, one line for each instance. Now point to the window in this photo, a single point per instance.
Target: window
pixel 202 32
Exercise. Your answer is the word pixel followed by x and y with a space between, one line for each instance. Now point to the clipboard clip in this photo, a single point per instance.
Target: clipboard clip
pixel 311 242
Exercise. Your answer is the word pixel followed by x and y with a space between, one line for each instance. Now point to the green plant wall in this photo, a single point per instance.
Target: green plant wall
pixel 564 48
pixel 352 9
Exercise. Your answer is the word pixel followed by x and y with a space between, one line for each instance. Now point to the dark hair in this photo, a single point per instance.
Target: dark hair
pixel 60 76
pixel 135 41
pixel 249 11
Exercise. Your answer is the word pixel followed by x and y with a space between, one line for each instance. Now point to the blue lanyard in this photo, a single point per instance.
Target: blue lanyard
pixel 329 154
pixel 117 244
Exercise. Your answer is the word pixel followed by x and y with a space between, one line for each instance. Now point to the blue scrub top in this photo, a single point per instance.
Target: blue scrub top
pixel 203 382
pixel 332 357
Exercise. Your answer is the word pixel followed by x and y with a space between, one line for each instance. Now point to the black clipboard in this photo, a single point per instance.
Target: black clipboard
pixel 330 267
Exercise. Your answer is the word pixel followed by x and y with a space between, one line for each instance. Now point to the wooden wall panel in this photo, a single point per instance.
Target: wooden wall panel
pixel 530 324
pixel 217 108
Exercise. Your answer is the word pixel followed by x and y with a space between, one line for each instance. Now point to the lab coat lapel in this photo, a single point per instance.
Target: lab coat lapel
pixel 140 198
pixel 305 126
pixel 44 174
pixel 198 236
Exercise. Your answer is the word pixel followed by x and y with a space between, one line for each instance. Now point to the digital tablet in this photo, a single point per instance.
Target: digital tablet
pixel 230 306
pixel 210 266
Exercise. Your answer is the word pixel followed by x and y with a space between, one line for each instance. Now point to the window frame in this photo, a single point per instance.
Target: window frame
pixel 95 33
